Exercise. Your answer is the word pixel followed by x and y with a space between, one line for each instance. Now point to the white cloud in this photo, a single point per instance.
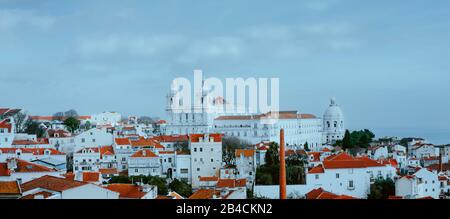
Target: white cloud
pixel 129 45
pixel 12 18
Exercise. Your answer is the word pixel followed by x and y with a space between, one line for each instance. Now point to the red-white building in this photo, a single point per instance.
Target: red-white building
pixel 144 162
pixel 344 174
pixel 23 171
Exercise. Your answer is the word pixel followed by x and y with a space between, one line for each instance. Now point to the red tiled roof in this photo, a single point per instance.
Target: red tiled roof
pixel 326 150
pixel 231 183
pixel 171 138
pixel 245 152
pixel 127 191
pixel 395 197
pixel 4 171
pixel 322 194
pixel 204 194
pixel 5 125
pixel 33 196
pixel 3 111
pixel 10 187
pixel 317 169
pixel 428 197
pixel 316 156
pixel 106 150
pixel 146 143
pixel 23 167
pixel 196 137
pixel 344 160
pixel 28 142
pixel 58 133
pixel 95 150
pixel 208 178
pixel 34 151
pixel 144 153
pixel 51 118
pixel 51 183
pixel 122 141
pixel 91 176
pixel 108 171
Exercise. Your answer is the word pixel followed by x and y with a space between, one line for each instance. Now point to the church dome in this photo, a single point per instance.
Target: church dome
pixel 333 112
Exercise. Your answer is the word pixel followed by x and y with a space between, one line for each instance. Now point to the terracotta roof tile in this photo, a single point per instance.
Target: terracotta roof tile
pixel 196 137
pixel 204 194
pixel 10 187
pixel 144 153
pixel 245 152
pixel 51 183
pixel 127 191
pixel 231 183
pixel 91 176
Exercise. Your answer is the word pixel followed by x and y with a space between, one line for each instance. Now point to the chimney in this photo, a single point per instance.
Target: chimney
pixel 12 164
pixel 282 166
pixel 441 151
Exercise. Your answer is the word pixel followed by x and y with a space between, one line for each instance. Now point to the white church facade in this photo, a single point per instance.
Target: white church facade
pixel 209 118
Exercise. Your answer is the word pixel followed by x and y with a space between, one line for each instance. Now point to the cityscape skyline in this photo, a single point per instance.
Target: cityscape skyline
pixel 385 66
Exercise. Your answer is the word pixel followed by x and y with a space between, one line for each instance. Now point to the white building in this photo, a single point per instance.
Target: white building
pixel 378 152
pixel 343 174
pixel 106 118
pixel 206 156
pixel 200 119
pixel 61 140
pixel 30 154
pixel 421 184
pixel 51 187
pixel 421 150
pixel 333 123
pixel 246 165
pixel 183 169
pixel 23 171
pixel 299 128
pixel 144 162
pixel 6 134
pixel 94 137
pixel 94 159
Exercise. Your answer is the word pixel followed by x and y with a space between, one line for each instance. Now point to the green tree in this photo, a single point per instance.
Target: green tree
pixel 72 124
pixel 181 187
pixel 229 146
pixel 306 146
pixel 34 128
pixel 272 155
pixel 347 140
pixel 382 189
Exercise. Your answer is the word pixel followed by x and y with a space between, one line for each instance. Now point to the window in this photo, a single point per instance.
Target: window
pixel 212 160
pixel 198 169
pixel 317 176
pixel 83 140
pixel 93 140
pixel 170 160
pixel 201 149
pixel 350 184
pixel 184 171
pixel 195 149
pixel 337 175
pixel 136 170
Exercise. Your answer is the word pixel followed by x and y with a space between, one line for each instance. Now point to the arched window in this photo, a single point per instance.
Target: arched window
pixel 328 124
pixel 335 124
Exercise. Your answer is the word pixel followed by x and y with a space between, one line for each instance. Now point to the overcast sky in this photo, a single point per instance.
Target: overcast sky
pixel 386 62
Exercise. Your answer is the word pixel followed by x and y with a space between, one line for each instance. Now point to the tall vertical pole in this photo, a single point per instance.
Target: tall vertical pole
pixel 282 166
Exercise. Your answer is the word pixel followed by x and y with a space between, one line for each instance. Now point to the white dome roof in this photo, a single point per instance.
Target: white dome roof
pixel 333 111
